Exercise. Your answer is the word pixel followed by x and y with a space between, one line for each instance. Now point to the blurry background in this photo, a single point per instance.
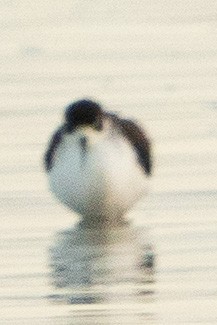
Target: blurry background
pixel 153 60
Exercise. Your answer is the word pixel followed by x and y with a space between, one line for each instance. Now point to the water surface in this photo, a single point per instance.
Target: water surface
pixel 149 60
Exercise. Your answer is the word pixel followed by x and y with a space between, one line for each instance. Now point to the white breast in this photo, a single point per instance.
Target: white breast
pixel 103 185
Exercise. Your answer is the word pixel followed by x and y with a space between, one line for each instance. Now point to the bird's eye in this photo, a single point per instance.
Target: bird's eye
pixel 97 124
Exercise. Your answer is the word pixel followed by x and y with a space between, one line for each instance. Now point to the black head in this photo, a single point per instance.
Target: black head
pixel 84 112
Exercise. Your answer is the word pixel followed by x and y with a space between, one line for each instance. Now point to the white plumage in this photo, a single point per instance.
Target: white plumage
pixel 103 184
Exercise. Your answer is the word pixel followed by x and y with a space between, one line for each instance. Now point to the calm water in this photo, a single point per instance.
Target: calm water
pixel 151 60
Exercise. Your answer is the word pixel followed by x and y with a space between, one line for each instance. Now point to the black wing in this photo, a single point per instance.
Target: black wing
pixel 138 139
pixel 53 144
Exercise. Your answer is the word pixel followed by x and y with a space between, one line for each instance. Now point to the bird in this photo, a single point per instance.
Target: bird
pixel 98 163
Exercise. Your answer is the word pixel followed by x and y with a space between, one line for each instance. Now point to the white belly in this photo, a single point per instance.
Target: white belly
pixel 103 185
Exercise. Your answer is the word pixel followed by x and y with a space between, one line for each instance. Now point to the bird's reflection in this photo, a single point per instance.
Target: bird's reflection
pixel 102 264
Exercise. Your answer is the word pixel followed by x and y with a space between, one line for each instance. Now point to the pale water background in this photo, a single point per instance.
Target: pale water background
pixel 152 60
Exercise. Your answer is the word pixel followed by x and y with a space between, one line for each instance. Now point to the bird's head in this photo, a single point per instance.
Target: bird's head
pixel 84 113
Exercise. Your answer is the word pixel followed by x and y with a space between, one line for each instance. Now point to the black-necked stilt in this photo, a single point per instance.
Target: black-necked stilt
pixel 97 163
